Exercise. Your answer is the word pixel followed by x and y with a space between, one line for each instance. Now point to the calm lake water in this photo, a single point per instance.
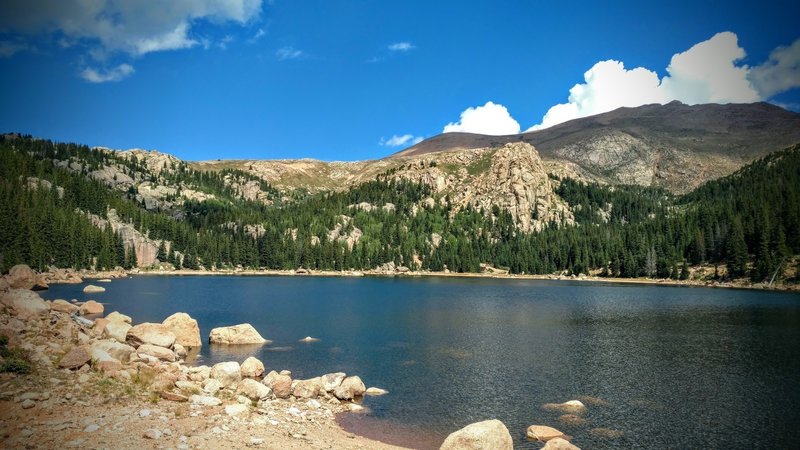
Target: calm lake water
pixel 678 367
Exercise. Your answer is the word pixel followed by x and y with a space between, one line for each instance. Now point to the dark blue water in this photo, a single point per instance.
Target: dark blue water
pixel 678 367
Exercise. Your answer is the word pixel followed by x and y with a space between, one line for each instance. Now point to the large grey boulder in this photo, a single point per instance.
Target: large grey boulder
pixel 25 304
pixel 236 335
pixel 489 434
pixel 150 333
pixel 227 373
pixel 350 388
pixel 21 277
pixel 185 329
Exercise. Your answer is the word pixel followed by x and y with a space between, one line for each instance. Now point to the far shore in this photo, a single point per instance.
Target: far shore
pixel 737 284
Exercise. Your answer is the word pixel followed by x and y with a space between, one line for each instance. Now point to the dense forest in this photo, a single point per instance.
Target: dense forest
pixel 748 222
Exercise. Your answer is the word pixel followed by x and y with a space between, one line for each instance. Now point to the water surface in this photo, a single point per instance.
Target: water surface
pixel 677 367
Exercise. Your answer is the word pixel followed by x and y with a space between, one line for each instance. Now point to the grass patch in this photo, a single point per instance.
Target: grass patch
pixel 481 165
pixel 14 360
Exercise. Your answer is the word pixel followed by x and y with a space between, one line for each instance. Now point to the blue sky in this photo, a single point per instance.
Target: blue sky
pixel 354 80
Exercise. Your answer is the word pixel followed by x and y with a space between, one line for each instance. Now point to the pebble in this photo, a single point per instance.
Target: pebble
pixel 216 430
pixel 256 441
pixel 28 404
pixel 91 428
pixel 152 433
pixel 144 413
pixel 273 422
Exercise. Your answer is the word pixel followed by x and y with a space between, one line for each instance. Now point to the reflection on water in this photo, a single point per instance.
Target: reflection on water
pixel 657 367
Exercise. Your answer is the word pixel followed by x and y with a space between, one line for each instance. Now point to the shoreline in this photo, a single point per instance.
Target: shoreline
pixel 502 276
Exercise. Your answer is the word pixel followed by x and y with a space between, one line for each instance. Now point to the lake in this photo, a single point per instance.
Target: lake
pixel 675 367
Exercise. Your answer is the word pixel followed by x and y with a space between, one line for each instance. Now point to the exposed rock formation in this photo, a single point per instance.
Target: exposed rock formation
pixel 490 434
pixel 26 305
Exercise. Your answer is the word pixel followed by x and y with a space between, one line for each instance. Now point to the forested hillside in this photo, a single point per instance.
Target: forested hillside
pixel 58 203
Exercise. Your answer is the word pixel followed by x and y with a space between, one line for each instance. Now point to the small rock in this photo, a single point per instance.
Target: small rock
pixel 235 410
pixel 559 444
pixel 205 400
pixel 490 434
pixel 376 391
pixel 211 386
pixel 542 433
pixel 75 358
pixel 152 433
pixel 572 406
pixel 92 289
pixel 144 413
pixel 309 339
pixel 226 373
pixel 91 428
pixel 256 441
pixel 28 404
pixel 252 368
pixel 91 307
pixel 350 388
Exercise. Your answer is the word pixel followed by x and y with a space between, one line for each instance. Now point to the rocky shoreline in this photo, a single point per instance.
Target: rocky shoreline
pixel 94 381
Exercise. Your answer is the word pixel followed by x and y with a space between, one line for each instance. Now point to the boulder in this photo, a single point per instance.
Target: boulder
pixel 92 289
pixel 150 333
pixel 99 326
pixel 104 362
pixel 331 381
pixel 25 304
pixel 185 329
pixel 350 388
pixel 63 306
pixel 306 388
pixel 117 317
pixel 117 331
pixel 4 286
pixel 253 390
pixel 280 384
pixel 559 444
pixel 489 434
pixel 252 368
pixel 41 283
pixel 205 400
pixel 180 351
pixel 227 373
pixel 21 277
pixel 91 307
pixel 75 358
pixel 235 410
pixel 164 354
pixel 211 386
pixel 116 350
pixel 543 433
pixel 236 335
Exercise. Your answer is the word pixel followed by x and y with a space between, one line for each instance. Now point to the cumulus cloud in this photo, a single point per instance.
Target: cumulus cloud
pixel 778 74
pixel 400 141
pixel 401 47
pixel 708 72
pixel 491 118
pixel 289 52
pixel 103 76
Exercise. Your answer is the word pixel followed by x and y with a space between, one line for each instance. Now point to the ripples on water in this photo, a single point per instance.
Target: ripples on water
pixel 674 367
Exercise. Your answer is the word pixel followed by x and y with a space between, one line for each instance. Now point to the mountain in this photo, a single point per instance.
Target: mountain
pixel 674 146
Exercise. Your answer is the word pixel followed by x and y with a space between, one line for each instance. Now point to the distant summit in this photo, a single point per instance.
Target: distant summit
pixel 675 146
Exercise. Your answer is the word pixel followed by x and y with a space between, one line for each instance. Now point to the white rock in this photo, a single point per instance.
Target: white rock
pixel 253 389
pixel 211 386
pixel 235 410
pixel 152 433
pixel 376 391
pixel 91 428
pixel 226 373
pixel 252 367
pixel 92 289
pixel 205 400
pixel 490 434
pixel 236 335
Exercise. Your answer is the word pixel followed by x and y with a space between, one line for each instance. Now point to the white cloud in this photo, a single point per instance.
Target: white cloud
pixel 780 73
pixel 399 141
pixel 491 118
pixel 285 53
pixel 132 27
pixel 103 76
pixel 709 72
pixel 401 47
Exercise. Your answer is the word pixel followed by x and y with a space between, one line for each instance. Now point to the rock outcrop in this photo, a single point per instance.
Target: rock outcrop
pixel 21 277
pixel 27 305
pixel 490 434
pixel 236 335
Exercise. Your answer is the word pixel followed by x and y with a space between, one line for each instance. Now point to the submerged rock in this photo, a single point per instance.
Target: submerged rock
pixel 607 433
pixel 543 433
pixel 559 444
pixel 489 434
pixel 185 329
pixel 309 339
pixel 572 406
pixel 376 391
pixel 236 335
